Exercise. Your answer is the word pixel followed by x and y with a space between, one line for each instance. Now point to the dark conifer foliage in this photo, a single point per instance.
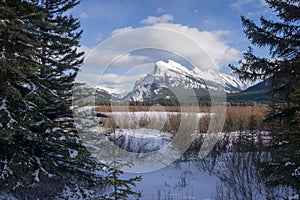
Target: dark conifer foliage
pixel 40 151
pixel 282 68
pixel 58 55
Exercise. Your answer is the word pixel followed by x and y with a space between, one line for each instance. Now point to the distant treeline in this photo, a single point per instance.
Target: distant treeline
pixel 168 102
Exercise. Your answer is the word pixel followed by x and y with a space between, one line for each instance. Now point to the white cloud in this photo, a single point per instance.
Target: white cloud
pixel 98 39
pixel 263 3
pixel 239 3
pixel 209 23
pixel 212 43
pixel 159 10
pixel 115 79
pixel 129 60
pixel 110 80
pixel 92 77
pixel 83 15
pixel 259 4
pixel 120 30
pixel 96 59
pixel 161 19
pixel 95 68
pixel 119 82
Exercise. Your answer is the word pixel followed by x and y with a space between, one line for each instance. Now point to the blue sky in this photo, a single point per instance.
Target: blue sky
pixel 216 23
pixel 99 18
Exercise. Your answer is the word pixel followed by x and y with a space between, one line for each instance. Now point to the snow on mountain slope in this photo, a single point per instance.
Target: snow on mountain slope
pixel 233 81
pixel 114 92
pixel 96 93
pixel 173 75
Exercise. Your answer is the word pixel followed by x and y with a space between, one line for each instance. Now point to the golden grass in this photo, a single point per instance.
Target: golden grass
pixel 238 118
pixel 153 108
pixel 242 118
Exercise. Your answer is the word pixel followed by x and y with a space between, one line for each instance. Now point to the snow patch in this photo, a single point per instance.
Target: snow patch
pixel 182 180
pixel 6 171
pixel 36 175
pixel 282 143
pixel 56 129
pixel 295 197
pixel 61 138
pixel 7 196
pixel 4 107
pixel 77 193
pixel 113 91
pixel 289 163
pixel 296 172
pixel 73 153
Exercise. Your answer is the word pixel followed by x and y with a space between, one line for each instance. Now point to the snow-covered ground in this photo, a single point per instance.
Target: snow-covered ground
pixel 197 179
pixel 182 180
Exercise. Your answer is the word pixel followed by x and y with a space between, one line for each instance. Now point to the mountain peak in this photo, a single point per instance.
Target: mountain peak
pixel 162 67
pixel 170 75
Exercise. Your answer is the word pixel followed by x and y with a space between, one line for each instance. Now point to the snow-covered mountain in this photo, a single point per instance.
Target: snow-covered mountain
pixel 116 93
pixel 97 93
pixel 171 76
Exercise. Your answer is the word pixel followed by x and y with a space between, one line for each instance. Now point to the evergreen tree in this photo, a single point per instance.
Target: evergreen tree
pixel 40 152
pixel 58 56
pixel 282 68
pixel 121 188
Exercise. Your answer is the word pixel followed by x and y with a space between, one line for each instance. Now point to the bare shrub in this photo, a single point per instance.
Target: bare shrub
pixel 244 118
pixel 144 121
pixel 241 178
pixel 173 123
pixel 236 120
pixel 241 119
pixel 126 120
pixel 110 124
pixel 204 122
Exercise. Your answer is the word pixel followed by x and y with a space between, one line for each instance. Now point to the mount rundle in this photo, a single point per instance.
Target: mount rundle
pixel 169 80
